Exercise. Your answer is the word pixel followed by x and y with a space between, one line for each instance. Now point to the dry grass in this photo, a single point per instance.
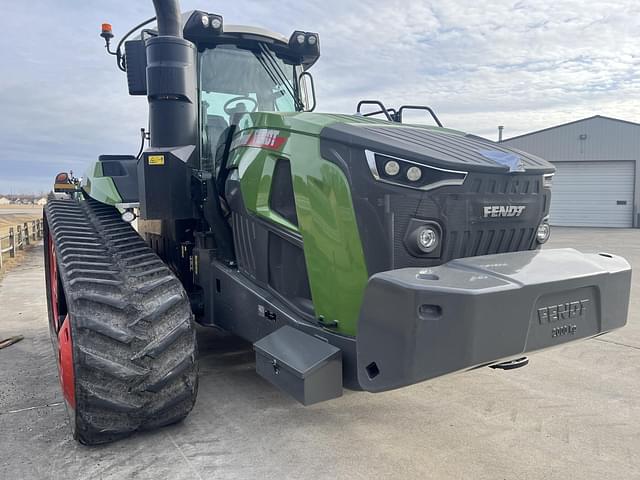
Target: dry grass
pixel 11 216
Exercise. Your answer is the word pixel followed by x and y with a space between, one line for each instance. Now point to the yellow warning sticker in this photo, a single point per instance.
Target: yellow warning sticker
pixel 156 159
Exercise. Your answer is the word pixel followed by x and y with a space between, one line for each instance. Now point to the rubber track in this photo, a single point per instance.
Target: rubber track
pixel 132 327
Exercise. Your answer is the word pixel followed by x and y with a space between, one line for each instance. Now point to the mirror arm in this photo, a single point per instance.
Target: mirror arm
pixel 313 89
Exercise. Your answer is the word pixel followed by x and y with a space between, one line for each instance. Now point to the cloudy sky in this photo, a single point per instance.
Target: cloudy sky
pixel 523 64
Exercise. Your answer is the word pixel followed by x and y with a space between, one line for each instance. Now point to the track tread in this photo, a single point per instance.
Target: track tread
pixel 132 325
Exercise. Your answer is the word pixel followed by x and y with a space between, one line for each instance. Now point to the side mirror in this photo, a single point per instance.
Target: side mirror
pixel 308 89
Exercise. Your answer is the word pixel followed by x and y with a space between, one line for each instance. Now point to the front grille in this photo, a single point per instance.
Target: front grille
pixel 457 210
pixel 469 243
pixel 244 237
pixel 497 185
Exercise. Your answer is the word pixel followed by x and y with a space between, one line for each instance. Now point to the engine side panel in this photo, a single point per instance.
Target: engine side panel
pixel 327 226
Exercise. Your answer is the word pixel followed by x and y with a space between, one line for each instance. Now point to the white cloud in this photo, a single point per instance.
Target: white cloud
pixel 526 65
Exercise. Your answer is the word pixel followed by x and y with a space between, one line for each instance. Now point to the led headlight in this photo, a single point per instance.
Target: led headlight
pixel 312 40
pixel 205 20
pixel 410 173
pixel 392 168
pixel 300 38
pixel 414 174
pixel 547 180
pixel 543 233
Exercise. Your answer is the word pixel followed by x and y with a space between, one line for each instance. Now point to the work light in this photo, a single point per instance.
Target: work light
pixel 128 216
pixel 216 23
pixel 307 43
pixel 202 26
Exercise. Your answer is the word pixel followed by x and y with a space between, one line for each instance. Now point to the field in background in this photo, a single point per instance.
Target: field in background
pixel 13 215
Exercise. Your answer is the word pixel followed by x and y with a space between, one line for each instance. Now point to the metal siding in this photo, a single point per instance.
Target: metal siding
pixel 606 139
pixel 585 194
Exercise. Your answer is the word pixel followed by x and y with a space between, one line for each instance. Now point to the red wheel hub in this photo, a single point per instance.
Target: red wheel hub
pixel 65 345
pixel 65 362
pixel 53 283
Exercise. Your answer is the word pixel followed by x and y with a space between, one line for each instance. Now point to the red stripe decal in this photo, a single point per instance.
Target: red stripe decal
pixel 261 138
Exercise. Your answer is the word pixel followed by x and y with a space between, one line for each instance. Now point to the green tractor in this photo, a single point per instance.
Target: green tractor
pixel 351 251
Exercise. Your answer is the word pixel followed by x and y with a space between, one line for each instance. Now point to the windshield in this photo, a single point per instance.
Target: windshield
pixel 234 81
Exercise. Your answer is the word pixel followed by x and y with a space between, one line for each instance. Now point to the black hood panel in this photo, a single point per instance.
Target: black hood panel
pixel 439 148
pixel 385 212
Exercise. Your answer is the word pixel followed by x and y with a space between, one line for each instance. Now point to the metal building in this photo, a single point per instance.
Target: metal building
pixel 598 171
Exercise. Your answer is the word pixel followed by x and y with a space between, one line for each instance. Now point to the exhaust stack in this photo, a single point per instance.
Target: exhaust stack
pixel 168 17
pixel 164 174
pixel 171 83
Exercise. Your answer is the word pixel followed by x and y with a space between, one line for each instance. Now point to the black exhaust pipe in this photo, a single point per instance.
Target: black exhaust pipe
pixel 168 17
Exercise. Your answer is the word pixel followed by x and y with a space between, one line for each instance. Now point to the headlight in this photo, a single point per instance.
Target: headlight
pixel 428 239
pixel 205 20
pixel 392 168
pixel 547 180
pixel 300 38
pixel 408 173
pixel 543 233
pixel 414 174
pixel 312 40
pixel 423 238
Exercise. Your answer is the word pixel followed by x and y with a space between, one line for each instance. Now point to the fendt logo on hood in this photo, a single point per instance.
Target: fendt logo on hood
pixel 498 211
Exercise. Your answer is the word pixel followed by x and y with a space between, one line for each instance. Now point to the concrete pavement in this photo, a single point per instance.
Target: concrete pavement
pixel 573 412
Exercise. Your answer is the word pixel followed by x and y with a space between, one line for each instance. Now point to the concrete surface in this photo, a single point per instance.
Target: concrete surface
pixel 572 413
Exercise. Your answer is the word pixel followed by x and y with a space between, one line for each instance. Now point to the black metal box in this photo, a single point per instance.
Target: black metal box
pixel 135 53
pixel 164 184
pixel 307 368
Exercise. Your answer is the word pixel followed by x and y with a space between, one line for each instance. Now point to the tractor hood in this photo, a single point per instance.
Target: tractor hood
pixel 435 147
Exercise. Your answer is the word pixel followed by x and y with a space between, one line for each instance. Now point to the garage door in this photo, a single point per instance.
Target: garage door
pixel 593 194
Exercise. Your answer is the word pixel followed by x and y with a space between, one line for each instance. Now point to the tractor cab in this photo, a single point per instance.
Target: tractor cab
pixel 238 78
pixel 240 69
